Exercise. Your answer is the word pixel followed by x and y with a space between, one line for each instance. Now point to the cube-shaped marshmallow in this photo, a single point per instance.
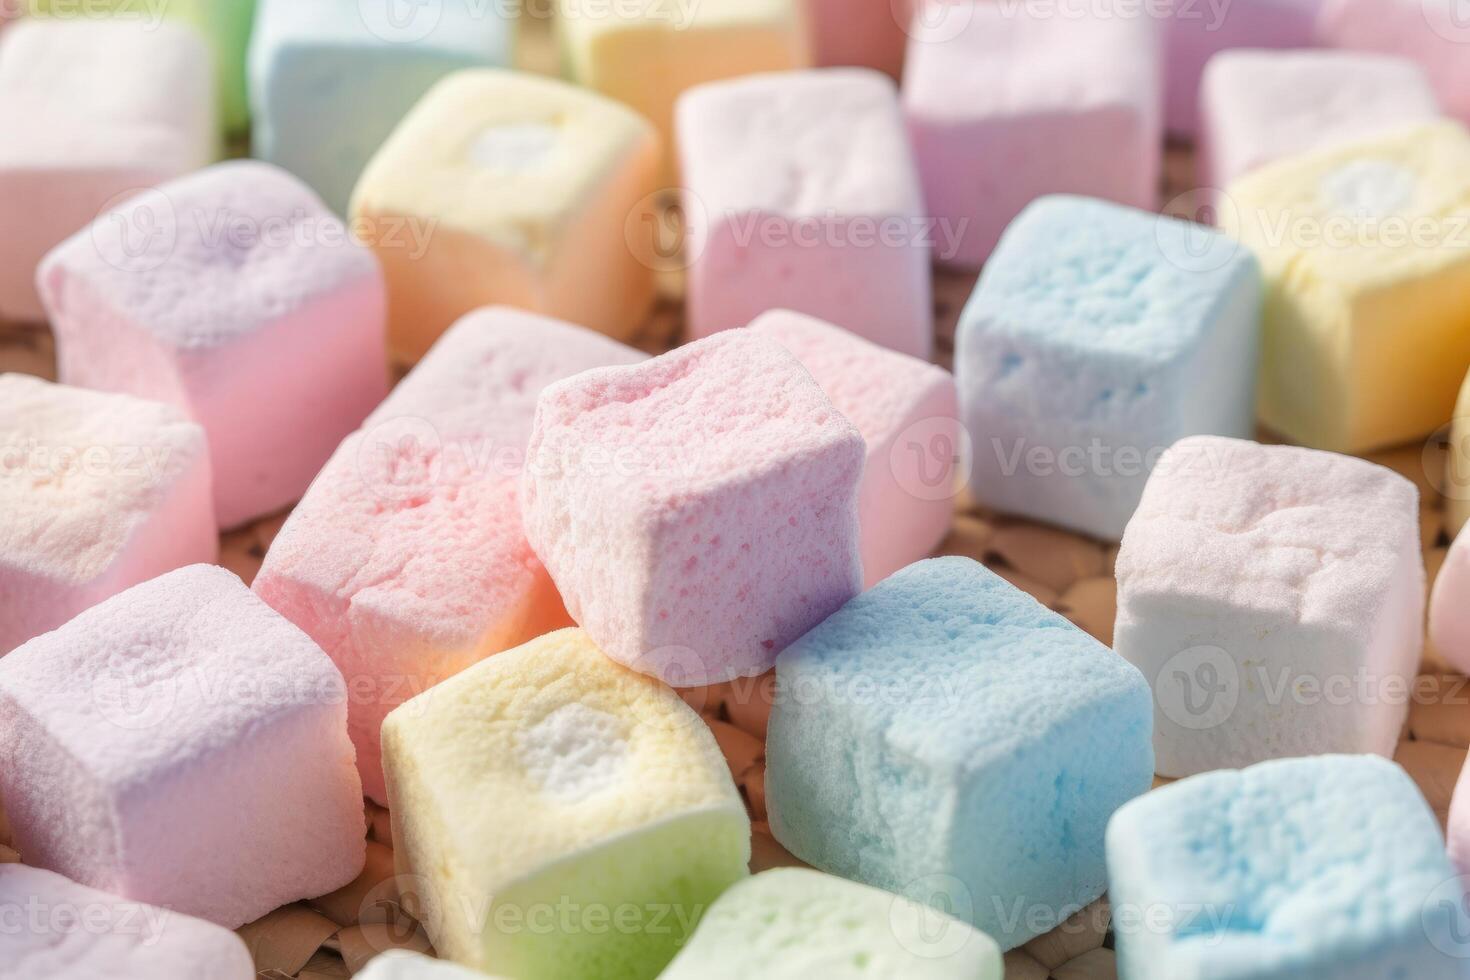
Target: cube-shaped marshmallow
pixel 859 33
pixel 1008 102
pixel 946 737
pixel 98 492
pixel 94 110
pixel 245 303
pixel 1449 608
pixel 1274 598
pixel 908 413
pixel 1097 337
pixel 1330 868
pixel 507 188
pixel 800 193
pixel 138 741
pixel 1366 325
pixel 698 512
pixel 402 964
pixel 406 560
pixel 329 81
pixel 550 775
pixel 1456 480
pixel 1430 32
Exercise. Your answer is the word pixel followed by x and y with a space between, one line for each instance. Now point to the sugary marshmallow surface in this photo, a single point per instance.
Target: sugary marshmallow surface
pixel 329 81
pixel 1274 598
pixel 1008 102
pixel 1329 868
pixel 794 923
pixel 945 736
pixel 698 512
pixel 1262 106
pixel 1456 480
pixel 800 193
pixel 98 492
pixel 181 744
pixel 507 188
pixel 1449 607
pixel 1366 326
pixel 233 294
pixel 59 929
pixel 93 110
pixel 1430 32
pixel 908 413
pixel 400 964
pixel 548 775
pixel 406 560
pixel 1098 336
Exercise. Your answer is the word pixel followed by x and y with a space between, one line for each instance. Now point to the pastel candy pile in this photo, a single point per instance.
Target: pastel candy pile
pixel 235 295
pixel 1431 32
pixel 177 736
pixel 698 512
pixel 97 493
pixel 1330 868
pixel 403 965
pixel 504 188
pixel 800 193
pixel 93 110
pixel 1274 598
pixel 329 81
pixel 549 776
pixel 1449 607
pixel 1262 106
pixel 1366 328
pixel 1009 102
pixel 946 736
pixel 1097 337
pixel 907 411
pixel 57 928
pixel 406 560
pixel 843 930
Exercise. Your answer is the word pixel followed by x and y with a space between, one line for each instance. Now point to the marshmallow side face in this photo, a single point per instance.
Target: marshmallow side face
pixel 1231 863
pixel 1457 466
pixel 549 774
pixel 1427 33
pixel 1449 607
pixel 139 738
pixel 909 749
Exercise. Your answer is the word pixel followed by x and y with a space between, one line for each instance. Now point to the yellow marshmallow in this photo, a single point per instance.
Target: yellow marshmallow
pixel 1457 466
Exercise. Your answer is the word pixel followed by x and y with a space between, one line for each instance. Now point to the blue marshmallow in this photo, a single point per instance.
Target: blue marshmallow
pixel 1097 337
pixel 1322 868
pixel 946 737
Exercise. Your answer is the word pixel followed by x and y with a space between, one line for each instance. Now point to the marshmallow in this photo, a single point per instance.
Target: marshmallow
pixel 1274 598
pixel 946 737
pixel 1261 106
pixel 794 923
pixel 549 775
pixel 1330 868
pixel 399 964
pixel 699 511
pixel 329 81
pixel 800 193
pixel 181 744
pixel 502 187
pixel 1366 326
pixel 406 560
pixel 1008 102
pixel 1449 607
pixel 97 493
pixel 1097 337
pixel 56 928
pixel 1431 32
pixel 907 412
pixel 94 110
pixel 1456 481
pixel 246 304
pixel 862 33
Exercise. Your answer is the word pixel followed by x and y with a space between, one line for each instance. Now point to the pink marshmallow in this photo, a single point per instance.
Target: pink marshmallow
pixel 181 744
pixel 1449 609
pixel 698 512
pixel 1426 31
pixel 406 561
pixel 907 411
pixel 860 33
pixel 60 930
pixel 234 294
pixel 1007 103
pixel 93 110
pixel 800 193
pixel 98 492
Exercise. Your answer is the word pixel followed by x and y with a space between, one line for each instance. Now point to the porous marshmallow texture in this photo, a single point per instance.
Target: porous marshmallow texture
pixel 1274 598
pixel 1449 607
pixel 548 775
pixel 178 736
pixel 1430 32
pixel 699 511
pixel 947 737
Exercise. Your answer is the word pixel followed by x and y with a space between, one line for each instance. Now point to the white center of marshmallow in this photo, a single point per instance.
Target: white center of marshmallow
pixel 1369 189
pixel 514 147
pixel 573 752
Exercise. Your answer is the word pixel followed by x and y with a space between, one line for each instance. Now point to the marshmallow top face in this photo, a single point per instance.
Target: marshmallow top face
pixel 593 18
pixel 475 32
